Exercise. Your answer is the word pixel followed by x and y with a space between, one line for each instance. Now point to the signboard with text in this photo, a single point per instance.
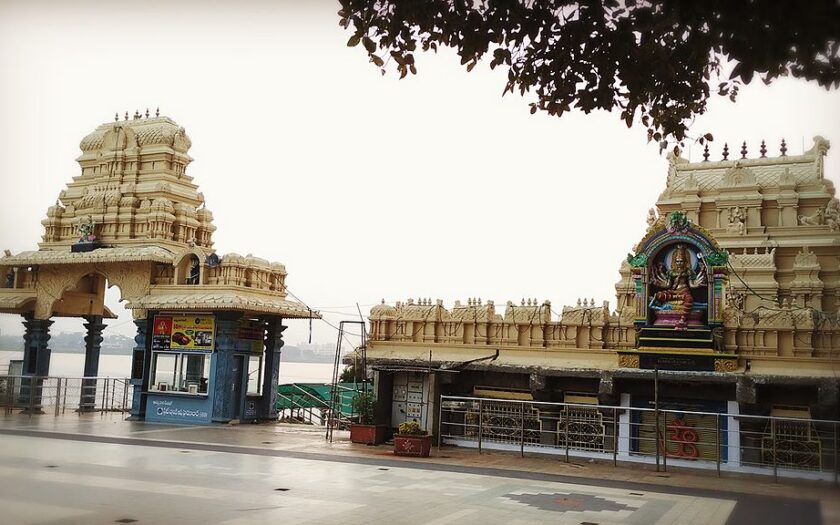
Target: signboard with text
pixel 250 336
pixel 184 333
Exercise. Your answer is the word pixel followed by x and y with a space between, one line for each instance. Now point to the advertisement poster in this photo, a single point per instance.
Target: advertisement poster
pixel 251 336
pixel 183 333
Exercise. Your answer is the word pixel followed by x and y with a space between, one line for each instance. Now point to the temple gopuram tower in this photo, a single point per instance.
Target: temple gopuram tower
pixel 209 327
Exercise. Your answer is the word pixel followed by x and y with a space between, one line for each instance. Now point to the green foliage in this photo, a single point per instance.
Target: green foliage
pixel 637 261
pixel 654 62
pixel 411 428
pixel 348 374
pixel 678 222
pixel 364 404
pixel 718 258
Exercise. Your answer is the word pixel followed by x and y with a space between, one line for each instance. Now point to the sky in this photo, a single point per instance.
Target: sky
pixel 366 187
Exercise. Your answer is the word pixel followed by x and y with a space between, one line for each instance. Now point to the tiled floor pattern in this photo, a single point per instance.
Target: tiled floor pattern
pixel 51 482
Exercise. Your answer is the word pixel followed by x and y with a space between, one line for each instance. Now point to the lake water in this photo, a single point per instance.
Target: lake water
pixel 110 365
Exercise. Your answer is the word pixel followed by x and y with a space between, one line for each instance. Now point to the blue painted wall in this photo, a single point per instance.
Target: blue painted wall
pixel 175 408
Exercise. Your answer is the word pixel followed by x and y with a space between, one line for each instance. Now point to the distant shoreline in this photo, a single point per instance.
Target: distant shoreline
pixel 105 351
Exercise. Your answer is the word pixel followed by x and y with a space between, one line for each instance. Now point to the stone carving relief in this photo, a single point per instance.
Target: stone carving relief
pixel 52 283
pixel 133 280
pixel 737 221
pixel 815 219
pixel 651 219
pixel 832 215
pixel 738 176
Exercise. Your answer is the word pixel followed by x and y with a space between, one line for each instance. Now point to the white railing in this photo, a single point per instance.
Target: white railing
pixel 778 446
pixel 38 395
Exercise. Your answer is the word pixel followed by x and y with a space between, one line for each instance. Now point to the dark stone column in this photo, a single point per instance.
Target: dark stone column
pixel 223 381
pixel 36 362
pixel 267 410
pixel 93 342
pixel 140 366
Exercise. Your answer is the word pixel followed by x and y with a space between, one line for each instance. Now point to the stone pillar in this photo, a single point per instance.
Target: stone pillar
pixel 93 342
pixel 222 380
pixel 267 410
pixel 36 361
pixel 140 367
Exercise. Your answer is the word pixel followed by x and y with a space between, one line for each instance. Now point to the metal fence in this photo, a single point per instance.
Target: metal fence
pixel 778 446
pixel 55 395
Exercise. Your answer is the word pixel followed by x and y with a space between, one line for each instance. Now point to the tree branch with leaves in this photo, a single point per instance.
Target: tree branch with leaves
pixel 656 63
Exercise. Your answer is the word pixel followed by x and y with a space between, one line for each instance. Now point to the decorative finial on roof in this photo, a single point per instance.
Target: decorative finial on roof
pixel 725 151
pixel 763 149
pixel 783 149
pixel 157 112
pixel 706 153
pixel 116 117
pixel 126 115
pixel 136 114
pixel 744 150
pixel 578 303
pixel 147 112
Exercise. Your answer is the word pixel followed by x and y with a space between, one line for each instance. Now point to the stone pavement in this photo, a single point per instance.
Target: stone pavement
pixel 454 485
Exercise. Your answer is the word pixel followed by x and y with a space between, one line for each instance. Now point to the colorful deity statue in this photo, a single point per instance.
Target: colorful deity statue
pixel 674 284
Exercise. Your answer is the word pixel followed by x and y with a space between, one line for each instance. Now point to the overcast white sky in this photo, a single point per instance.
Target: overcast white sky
pixel 365 187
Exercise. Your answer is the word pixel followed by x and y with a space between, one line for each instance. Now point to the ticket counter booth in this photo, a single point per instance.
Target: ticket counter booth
pixel 208 367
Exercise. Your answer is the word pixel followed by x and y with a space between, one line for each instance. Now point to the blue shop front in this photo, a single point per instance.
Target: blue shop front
pixel 198 368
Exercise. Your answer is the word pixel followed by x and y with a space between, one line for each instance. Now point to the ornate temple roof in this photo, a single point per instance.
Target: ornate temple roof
pixel 102 255
pixel 134 216
pixel 765 173
pixel 219 298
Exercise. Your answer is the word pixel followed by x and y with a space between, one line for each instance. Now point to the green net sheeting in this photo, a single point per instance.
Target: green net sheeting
pixel 316 395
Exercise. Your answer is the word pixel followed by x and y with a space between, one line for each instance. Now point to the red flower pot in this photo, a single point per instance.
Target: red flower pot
pixel 412 445
pixel 367 434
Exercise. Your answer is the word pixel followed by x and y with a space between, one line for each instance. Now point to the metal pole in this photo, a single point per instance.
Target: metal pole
pixel 568 440
pixel 717 441
pixel 480 422
pixel 64 398
pixel 113 393
pixel 773 438
pixel 104 393
pixel 836 468
pixel 440 422
pixel 615 437
pixel 31 397
pixel 522 430
pixel 664 442
pixel 57 395
pixel 10 389
pixel 656 411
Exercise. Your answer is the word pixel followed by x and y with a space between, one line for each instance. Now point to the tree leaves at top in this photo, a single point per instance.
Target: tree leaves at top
pixel 651 61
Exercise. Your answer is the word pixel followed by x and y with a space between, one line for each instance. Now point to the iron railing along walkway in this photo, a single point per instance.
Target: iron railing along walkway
pixel 711 440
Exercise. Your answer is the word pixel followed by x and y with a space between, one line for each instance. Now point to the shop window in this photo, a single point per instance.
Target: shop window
pixel 255 363
pixel 163 372
pixel 180 372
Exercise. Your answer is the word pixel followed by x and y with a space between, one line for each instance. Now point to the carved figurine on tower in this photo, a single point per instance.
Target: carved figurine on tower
pixel 673 300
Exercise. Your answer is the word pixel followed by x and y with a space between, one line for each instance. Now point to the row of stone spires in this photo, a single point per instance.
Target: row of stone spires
pixel 137 114
pixel 763 150
pixel 590 304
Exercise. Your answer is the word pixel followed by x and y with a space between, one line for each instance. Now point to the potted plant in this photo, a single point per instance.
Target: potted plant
pixel 365 431
pixel 411 440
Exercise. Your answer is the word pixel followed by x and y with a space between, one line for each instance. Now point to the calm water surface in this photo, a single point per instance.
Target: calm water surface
pixel 72 365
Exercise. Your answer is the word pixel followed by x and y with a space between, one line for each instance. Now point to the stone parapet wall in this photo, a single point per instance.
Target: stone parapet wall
pixel 786 331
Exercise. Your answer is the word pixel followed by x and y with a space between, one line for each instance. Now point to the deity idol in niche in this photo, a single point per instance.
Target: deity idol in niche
pixel 673 277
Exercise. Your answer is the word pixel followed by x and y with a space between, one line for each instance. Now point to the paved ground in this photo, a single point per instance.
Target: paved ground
pixel 101 469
